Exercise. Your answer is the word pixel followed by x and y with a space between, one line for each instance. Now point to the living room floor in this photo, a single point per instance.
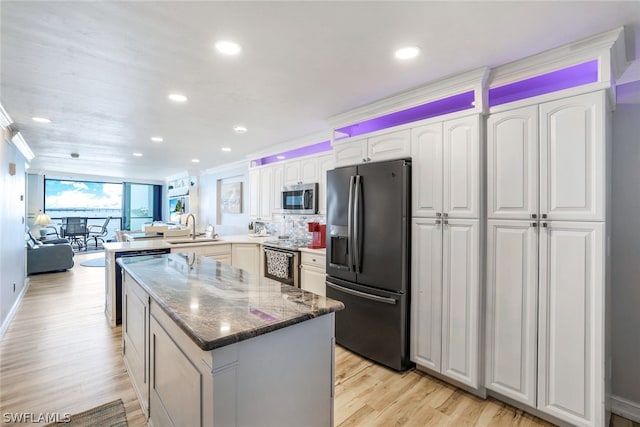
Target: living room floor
pixel 59 355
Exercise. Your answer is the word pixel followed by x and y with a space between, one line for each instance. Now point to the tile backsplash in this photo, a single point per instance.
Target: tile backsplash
pixel 294 226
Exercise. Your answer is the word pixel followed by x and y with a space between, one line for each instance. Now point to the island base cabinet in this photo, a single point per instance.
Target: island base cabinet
pixel 281 378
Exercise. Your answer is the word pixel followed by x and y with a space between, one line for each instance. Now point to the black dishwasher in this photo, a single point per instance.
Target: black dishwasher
pixel 119 274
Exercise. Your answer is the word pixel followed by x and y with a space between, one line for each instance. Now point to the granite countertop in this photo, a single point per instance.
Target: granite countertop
pixel 216 304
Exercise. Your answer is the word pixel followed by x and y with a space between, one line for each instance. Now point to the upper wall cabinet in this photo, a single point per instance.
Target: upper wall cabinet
pixel 547 161
pixel 301 171
pixel 446 169
pixel 260 193
pixel 393 145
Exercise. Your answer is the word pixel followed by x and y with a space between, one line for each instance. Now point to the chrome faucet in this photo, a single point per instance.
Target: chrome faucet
pixel 193 225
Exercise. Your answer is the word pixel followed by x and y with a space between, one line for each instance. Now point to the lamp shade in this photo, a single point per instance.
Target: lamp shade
pixel 42 219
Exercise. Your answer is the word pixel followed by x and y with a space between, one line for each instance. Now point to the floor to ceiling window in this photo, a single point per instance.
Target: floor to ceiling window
pixel 130 205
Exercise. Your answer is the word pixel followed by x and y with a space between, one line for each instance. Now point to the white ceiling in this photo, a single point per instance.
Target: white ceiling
pixel 101 71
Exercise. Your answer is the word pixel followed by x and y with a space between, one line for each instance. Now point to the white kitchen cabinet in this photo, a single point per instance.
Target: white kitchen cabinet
pixel 388 146
pixel 219 252
pixel 512 164
pixel 426 151
pixel 254 193
pixel 135 341
pixel 572 158
pixel 461 167
pixel 260 193
pixel 325 163
pixel 426 292
pixel 313 273
pixel 291 172
pixel 571 322
pixel 246 256
pixel 546 258
pixel 445 317
pixel 301 171
pixel 277 180
pixel 446 169
pixel 512 309
pixel 548 160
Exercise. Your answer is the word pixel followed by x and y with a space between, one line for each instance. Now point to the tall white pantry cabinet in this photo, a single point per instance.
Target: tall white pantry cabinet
pixel 546 257
pixel 446 257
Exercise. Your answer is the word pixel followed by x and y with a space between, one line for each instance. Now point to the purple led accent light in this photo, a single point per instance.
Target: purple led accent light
pixel 297 152
pixel 451 104
pixel 565 78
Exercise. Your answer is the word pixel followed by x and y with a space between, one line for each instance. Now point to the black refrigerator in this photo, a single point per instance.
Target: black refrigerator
pixel 368 256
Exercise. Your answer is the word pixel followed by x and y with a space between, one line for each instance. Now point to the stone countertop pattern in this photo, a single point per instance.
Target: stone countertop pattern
pixel 216 304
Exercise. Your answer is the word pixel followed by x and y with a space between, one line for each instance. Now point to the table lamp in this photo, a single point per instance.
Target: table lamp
pixel 43 220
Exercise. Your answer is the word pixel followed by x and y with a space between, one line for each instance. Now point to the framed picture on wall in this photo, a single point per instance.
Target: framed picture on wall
pixel 231 197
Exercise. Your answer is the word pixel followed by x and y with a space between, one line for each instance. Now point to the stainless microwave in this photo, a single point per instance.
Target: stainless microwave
pixel 300 199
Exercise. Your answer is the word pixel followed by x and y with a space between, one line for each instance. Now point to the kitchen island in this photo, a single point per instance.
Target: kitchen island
pixel 207 344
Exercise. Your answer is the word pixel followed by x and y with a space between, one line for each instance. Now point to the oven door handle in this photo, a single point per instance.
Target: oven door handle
pixel 353 292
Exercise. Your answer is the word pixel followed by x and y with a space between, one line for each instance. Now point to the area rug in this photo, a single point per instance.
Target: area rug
pixel 110 414
pixel 95 262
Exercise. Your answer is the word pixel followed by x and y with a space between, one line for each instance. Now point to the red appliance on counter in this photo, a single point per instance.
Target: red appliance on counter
pixel 319 234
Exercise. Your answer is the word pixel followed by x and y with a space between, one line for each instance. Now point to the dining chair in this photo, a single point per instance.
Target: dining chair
pixel 75 229
pixel 98 232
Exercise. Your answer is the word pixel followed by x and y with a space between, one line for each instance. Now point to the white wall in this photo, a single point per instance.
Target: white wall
pixel 225 223
pixel 12 229
pixel 625 251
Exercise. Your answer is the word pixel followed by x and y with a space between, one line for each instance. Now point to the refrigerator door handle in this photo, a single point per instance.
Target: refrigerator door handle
pixel 356 223
pixel 350 259
pixel 376 298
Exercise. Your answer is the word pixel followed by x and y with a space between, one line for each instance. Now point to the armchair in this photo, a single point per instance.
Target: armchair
pixel 42 258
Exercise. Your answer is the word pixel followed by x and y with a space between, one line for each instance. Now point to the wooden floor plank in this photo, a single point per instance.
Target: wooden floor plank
pixel 59 355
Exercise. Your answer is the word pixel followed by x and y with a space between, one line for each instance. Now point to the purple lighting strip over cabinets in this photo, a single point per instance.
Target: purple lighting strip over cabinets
pixel 565 78
pixel 295 153
pixel 451 104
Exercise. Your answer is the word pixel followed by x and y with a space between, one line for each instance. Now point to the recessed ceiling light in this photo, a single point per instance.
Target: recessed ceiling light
pixel 280 157
pixel 226 149
pixel 41 119
pixel 177 97
pixel 240 129
pixel 228 47
pixel 157 139
pixel 195 160
pixel 137 154
pixel 407 52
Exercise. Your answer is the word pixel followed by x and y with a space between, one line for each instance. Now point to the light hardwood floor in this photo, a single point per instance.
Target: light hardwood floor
pixel 60 356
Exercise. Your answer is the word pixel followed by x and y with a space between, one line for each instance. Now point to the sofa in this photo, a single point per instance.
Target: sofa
pixel 55 255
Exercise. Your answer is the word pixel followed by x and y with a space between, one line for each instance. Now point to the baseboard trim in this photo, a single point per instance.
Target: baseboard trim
pixel 14 309
pixel 625 408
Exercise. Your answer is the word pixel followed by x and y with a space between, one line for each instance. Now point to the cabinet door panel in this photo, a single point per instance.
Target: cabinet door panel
pixel 572 158
pixel 460 301
pixel 571 319
pixel 395 145
pixel 312 279
pixel 278 181
pixel 266 195
pixel 291 173
pixel 246 256
pixel 461 168
pixel 176 385
pixel 426 293
pixel 350 152
pixel 135 339
pixel 309 170
pixel 426 151
pixel 512 164
pixel 512 301
pixel 254 193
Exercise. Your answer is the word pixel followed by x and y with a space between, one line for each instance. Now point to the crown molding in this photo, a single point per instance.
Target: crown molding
pixel 607 47
pixel 235 166
pixel 452 85
pixel 312 138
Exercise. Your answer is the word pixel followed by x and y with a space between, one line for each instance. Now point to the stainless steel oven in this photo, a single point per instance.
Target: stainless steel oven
pixel 282 264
